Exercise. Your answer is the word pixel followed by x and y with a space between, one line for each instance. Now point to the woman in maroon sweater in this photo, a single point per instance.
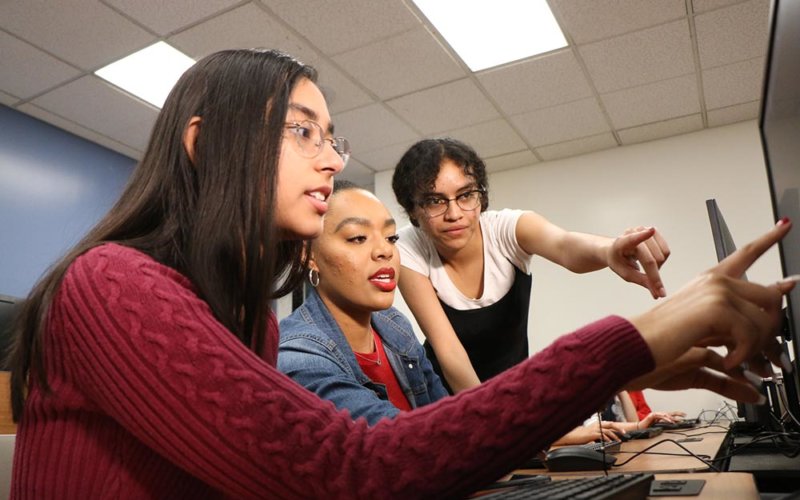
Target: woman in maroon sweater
pixel 144 361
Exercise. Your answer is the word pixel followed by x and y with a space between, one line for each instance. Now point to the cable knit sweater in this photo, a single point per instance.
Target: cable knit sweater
pixel 153 398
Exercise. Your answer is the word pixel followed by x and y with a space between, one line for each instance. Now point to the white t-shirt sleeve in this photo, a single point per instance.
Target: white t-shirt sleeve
pixel 415 252
pixel 502 228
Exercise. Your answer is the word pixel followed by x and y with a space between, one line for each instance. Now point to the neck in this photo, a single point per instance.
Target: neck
pixel 355 325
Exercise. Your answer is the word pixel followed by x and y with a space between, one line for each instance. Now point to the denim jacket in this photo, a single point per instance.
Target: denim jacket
pixel 315 353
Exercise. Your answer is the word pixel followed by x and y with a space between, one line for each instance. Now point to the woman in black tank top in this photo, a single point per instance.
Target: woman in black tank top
pixel 442 185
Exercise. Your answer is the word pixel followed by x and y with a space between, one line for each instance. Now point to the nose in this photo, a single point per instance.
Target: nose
pixel 383 250
pixel 331 160
pixel 453 211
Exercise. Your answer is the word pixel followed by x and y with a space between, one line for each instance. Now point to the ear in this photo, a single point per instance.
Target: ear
pixel 190 136
pixel 312 264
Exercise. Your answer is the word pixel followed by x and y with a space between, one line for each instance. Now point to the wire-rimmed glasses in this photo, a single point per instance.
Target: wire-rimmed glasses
pixel 434 206
pixel 310 139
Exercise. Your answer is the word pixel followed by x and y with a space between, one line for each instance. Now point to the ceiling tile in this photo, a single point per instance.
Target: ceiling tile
pixel 385 158
pixel 447 106
pixel 80 131
pixel 734 83
pixel 490 139
pixel 65 32
pixel 731 34
pixel 509 161
pixel 706 5
pixel 401 64
pixel 562 123
pixel 734 114
pixel 167 17
pixel 577 147
pixel 653 103
pixel 96 105
pixel 667 128
pixel 345 25
pixel 358 174
pixel 8 99
pixel 341 94
pixel 641 57
pixel 372 127
pixel 246 27
pixel 42 71
pixel 590 20
pixel 542 82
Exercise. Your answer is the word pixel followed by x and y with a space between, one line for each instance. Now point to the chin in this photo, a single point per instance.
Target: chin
pixel 304 232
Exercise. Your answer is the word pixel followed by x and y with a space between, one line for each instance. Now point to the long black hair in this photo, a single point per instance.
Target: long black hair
pixel 210 217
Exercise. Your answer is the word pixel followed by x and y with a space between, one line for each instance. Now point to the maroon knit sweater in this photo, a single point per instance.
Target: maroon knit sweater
pixel 153 398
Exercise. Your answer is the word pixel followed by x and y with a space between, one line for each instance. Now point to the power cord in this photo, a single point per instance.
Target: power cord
pixel 602 442
pixel 703 458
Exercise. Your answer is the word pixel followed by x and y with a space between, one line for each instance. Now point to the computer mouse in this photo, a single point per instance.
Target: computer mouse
pixel 577 458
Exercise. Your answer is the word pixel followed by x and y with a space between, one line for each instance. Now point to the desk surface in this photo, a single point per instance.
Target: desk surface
pixel 669 456
pixel 719 486
pixel 7 425
pixel 664 456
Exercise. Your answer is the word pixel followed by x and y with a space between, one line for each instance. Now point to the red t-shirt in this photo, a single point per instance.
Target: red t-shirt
pixel 376 366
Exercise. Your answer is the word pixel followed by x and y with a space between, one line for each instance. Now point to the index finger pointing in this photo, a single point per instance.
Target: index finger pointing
pixel 738 262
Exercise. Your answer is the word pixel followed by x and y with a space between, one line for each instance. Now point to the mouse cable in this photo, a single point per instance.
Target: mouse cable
pixel 602 440
pixel 708 462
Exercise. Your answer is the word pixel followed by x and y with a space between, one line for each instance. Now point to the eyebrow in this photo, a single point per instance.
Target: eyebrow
pixel 471 186
pixel 310 113
pixel 360 221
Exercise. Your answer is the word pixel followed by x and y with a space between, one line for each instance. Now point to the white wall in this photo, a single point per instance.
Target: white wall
pixel 662 183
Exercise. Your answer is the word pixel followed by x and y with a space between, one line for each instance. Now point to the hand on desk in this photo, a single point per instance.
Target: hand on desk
pixel 589 433
pixel 717 308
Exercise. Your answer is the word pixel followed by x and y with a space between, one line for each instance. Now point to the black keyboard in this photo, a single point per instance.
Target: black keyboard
pixel 670 426
pixel 610 446
pixel 643 433
pixel 611 487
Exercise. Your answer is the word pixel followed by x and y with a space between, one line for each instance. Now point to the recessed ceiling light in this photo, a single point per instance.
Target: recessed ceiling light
pixel 150 73
pixel 487 33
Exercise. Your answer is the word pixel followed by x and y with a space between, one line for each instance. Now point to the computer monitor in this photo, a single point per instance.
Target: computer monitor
pixel 724 246
pixel 9 307
pixel 779 126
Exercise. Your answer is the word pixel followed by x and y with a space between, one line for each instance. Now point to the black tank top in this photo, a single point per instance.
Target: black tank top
pixel 496 336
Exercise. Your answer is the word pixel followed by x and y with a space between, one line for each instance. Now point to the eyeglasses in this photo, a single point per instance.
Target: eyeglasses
pixel 310 140
pixel 434 206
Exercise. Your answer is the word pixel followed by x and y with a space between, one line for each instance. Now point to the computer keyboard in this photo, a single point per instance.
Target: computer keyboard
pixel 610 446
pixel 611 487
pixel 642 433
pixel 683 424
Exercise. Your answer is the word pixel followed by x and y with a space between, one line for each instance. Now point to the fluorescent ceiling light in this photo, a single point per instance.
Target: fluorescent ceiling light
pixel 487 33
pixel 148 74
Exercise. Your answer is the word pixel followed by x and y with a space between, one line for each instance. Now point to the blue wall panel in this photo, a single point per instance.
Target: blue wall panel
pixel 54 186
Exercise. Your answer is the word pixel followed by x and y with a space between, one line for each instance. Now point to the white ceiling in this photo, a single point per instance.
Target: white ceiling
pixel 634 70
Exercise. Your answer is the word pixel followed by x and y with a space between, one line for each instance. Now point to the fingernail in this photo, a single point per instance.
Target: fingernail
pixel 663 291
pixel 790 279
pixel 783 220
pixel 754 379
pixel 785 363
pixel 761 400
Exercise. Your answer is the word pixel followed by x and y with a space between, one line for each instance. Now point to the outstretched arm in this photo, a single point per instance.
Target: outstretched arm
pixel 717 309
pixel 636 256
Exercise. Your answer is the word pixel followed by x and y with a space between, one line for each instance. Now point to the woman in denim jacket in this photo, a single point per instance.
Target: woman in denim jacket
pixel 346 343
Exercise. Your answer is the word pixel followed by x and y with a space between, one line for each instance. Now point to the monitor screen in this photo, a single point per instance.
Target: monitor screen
pixel 724 245
pixel 779 125
pixel 9 307
pixel 723 241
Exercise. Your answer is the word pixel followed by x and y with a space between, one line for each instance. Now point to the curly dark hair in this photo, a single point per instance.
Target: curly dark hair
pixel 417 170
